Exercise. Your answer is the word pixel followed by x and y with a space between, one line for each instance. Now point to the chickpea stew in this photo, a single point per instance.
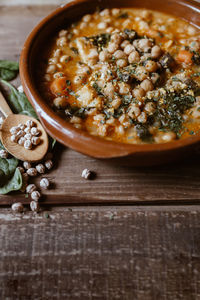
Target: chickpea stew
pixel 127 75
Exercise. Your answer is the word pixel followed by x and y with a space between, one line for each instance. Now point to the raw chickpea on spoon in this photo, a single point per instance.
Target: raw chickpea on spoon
pixel 35 147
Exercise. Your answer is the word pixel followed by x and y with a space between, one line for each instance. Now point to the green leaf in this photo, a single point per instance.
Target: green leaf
pixel 14 184
pixel 7 167
pixel 7 74
pixel 19 102
pixel 9 65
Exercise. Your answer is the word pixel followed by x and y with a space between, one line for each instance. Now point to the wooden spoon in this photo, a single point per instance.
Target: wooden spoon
pixel 18 151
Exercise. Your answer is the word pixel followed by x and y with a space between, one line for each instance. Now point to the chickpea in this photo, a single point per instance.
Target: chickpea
pixel 83 25
pixel 62 33
pixel 149 108
pixel 61 41
pixel 102 25
pixel 57 53
pixel 191 30
pixel 78 79
pixel 51 69
pixel 60 102
pixel 102 130
pixel 64 58
pixel 109 89
pixel 53 60
pixel 156 52
pixel 104 55
pixel 124 44
pixel 128 49
pixel 147 85
pixel 75 120
pixel 58 74
pixel 119 54
pixel 143 25
pixel 141 73
pixel 142 118
pixel 138 93
pixel 115 11
pixel 116 102
pixel 133 57
pixel 109 29
pixel 116 38
pixel 87 18
pixel 121 63
pixel 144 45
pixel 105 12
pixel 112 47
pixel 124 88
pixel 134 111
pixel 47 77
pixel 151 66
pixel 75 31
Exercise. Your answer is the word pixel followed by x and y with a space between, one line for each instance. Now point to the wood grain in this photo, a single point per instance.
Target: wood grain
pixel 101 254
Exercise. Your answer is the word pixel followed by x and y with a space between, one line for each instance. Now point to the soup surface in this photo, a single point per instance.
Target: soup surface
pixel 128 75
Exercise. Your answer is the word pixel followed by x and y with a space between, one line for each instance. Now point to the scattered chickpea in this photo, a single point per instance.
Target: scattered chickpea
pixel 4 153
pixel 48 164
pixel 34 206
pixel 35 195
pixel 26 165
pixel 32 172
pixel 86 174
pixel 44 183
pixel 40 168
pixel 146 85
pixel 30 188
pixel 17 207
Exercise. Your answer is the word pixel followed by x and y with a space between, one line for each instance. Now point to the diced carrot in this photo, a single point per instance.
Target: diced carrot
pixel 185 56
pixel 58 86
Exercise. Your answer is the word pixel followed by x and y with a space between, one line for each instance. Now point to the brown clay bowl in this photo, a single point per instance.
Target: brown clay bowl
pixel 77 139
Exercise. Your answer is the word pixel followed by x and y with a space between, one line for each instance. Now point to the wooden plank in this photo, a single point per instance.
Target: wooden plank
pixel 101 254
pixel 116 182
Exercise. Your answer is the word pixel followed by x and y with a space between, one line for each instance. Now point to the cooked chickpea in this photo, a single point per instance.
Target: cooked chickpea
pixel 138 93
pixel 121 62
pixel 119 54
pixel 144 45
pixel 109 89
pixel 124 44
pixel 124 88
pixel 149 107
pixel 61 41
pixel 134 111
pixel 104 55
pixel 87 18
pixel 142 118
pixel 151 66
pixel 63 32
pixel 143 25
pixel 156 52
pixel 102 25
pixel 116 102
pixel 129 48
pixel 146 85
pixel 109 29
pixel 75 120
pixel 60 102
pixel 64 58
pixel 51 69
pixel 116 38
pixel 133 57
pixel 112 47
pixel 105 12
pixel 115 11
pixel 83 25
pixel 141 73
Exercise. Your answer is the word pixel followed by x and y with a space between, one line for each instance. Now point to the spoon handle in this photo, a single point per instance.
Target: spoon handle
pixel 4 108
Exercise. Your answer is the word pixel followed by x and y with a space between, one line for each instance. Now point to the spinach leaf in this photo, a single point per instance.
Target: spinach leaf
pixel 7 74
pixel 8 69
pixel 7 168
pixel 19 102
pixel 9 65
pixel 14 184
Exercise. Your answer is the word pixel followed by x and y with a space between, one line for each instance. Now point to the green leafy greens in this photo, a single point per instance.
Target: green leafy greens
pixel 10 176
pixel 8 69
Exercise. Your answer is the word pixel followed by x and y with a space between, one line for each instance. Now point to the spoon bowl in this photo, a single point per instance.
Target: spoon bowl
pixel 18 151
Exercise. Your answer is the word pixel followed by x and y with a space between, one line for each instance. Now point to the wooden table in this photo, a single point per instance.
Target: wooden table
pixel 130 234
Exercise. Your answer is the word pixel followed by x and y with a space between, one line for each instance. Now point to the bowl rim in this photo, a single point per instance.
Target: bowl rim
pixel 45 112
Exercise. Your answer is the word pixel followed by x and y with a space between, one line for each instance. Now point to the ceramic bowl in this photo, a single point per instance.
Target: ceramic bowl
pixel 63 131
